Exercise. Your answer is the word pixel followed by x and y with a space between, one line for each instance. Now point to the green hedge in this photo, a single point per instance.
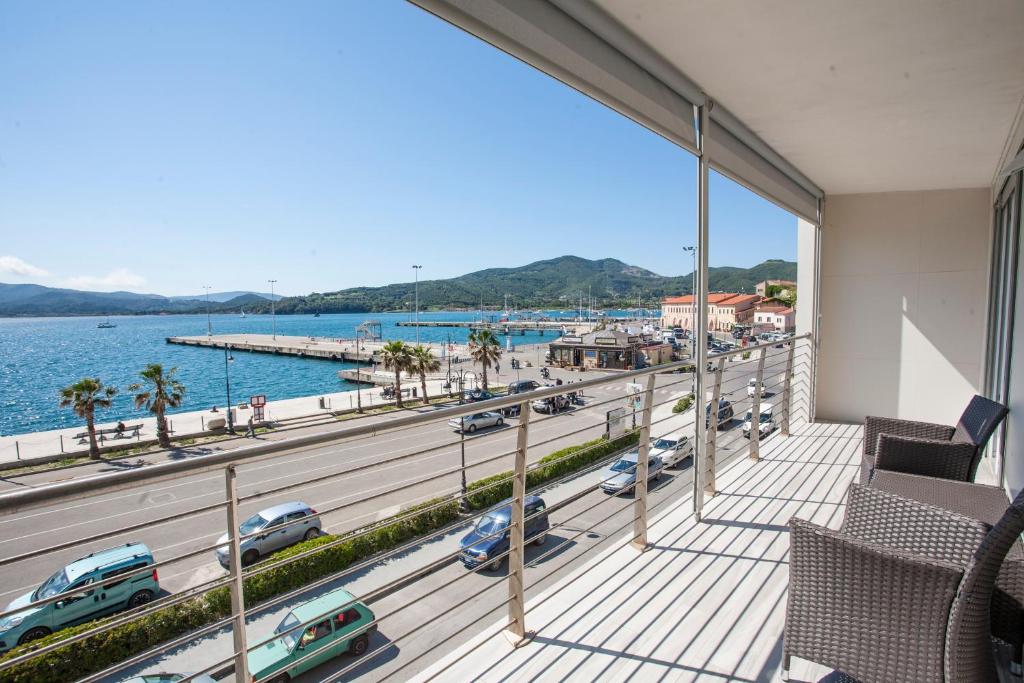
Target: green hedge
pixel 683 404
pixel 586 454
pixel 100 651
pixel 121 642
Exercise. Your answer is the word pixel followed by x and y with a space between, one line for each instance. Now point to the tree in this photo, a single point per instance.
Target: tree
pixel 84 397
pixel 485 349
pixel 423 361
pixel 162 391
pixel 397 356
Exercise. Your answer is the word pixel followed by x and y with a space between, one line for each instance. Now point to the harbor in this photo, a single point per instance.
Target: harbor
pixel 324 348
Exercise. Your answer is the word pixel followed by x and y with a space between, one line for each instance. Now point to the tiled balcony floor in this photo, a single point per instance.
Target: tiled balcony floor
pixel 706 602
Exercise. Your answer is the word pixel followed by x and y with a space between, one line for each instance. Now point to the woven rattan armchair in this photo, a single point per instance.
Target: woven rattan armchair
pixel 901 592
pixel 931 450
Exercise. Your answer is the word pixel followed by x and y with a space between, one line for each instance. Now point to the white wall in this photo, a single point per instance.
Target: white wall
pixel 903 304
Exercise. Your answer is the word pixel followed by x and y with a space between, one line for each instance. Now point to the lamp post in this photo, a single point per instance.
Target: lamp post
pixel 209 325
pixel 416 271
pixel 228 359
pixel 273 316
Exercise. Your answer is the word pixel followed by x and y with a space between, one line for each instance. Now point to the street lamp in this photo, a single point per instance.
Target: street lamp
pixel 228 359
pixel 209 326
pixel 416 271
pixel 273 317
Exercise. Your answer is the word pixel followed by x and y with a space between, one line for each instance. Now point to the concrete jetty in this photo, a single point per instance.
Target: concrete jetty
pixel 509 327
pixel 303 347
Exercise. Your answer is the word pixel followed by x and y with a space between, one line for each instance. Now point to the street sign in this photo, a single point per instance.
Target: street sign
pixel 257 402
pixel 615 423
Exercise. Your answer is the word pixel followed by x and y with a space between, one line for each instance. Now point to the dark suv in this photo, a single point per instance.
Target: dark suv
pixel 725 414
pixel 523 386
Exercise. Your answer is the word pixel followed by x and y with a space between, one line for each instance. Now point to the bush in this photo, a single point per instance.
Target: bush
pixel 585 454
pixel 746 355
pixel 683 404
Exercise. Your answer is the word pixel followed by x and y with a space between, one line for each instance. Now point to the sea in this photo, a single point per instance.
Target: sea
pixel 39 356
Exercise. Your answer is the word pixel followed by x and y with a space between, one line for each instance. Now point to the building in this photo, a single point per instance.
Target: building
pixel 725 311
pixel 788 287
pixel 608 350
pixel 770 316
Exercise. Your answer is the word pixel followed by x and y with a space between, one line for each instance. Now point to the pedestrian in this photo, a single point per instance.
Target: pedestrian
pixel 497 368
pixel 250 431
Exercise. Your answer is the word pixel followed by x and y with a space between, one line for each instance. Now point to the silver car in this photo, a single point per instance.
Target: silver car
pixel 476 421
pixel 621 476
pixel 672 449
pixel 269 537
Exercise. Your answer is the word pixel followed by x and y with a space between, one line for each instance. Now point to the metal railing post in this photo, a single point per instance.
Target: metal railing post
pixel 517 602
pixel 716 393
pixel 755 411
pixel 640 490
pixel 236 586
pixel 787 390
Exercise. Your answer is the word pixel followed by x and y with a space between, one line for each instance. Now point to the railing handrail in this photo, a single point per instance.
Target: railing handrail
pixel 56 492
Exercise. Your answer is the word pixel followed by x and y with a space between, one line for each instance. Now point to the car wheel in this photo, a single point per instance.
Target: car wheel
pixel 540 540
pixel 33 634
pixel 359 646
pixel 499 422
pixel 495 565
pixel 250 556
pixel 471 428
pixel 311 534
pixel 657 476
pixel 139 599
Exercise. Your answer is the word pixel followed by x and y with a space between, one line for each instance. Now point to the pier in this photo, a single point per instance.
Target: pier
pixel 302 347
pixel 510 327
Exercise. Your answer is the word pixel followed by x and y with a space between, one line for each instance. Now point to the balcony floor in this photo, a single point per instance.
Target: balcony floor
pixel 706 602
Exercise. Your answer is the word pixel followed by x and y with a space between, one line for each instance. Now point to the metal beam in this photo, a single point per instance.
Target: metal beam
pixel 700 316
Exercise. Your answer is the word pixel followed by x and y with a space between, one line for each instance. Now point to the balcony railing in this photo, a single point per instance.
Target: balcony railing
pixel 769 379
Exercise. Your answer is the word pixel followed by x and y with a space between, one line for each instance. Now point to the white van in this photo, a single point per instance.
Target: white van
pixel 768 422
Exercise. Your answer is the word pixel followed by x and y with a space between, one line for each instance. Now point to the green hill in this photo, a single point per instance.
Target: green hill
pixel 554 282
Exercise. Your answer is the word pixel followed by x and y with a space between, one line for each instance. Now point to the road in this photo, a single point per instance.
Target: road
pixel 324 484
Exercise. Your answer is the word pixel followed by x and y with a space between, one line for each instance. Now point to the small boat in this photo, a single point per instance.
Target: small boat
pixel 241 313
pixel 317 314
pixel 106 324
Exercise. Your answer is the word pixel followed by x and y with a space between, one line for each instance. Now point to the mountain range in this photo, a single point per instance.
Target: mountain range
pixel 557 282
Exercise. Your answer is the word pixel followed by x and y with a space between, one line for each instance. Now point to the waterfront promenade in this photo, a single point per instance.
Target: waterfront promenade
pixel 304 411
pixel 306 347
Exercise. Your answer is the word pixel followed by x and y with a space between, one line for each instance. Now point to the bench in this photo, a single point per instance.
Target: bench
pixel 128 432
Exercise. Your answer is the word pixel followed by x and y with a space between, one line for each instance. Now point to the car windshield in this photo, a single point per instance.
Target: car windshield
pixel 490 524
pixel 624 466
pixel 53 585
pixel 289 628
pixel 766 417
pixel 252 525
pixel 664 443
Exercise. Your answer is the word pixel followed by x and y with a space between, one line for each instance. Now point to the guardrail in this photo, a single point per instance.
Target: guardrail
pixel 775 385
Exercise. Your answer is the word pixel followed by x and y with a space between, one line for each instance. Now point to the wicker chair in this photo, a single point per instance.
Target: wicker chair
pixel 900 593
pixel 931 450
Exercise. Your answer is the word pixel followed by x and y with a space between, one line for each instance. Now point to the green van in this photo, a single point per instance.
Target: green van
pixel 340 624
pixel 93 590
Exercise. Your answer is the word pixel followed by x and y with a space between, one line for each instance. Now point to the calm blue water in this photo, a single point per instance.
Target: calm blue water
pixel 39 356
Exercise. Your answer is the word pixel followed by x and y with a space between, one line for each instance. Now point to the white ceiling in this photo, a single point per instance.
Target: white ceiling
pixel 860 95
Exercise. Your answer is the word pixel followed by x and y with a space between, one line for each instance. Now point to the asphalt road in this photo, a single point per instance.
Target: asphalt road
pixel 47 526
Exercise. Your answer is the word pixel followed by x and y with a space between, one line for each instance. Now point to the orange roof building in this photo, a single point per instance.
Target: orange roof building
pixel 725 310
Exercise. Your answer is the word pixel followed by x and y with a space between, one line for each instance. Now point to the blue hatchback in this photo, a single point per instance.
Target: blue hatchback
pixel 489 539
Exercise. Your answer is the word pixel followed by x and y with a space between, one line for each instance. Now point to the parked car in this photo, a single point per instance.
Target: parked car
pixel 344 625
pixel 725 413
pixel 522 386
pixel 768 422
pixel 621 475
pixel 752 388
pixel 91 589
pixel 476 421
pixel 474 395
pixel 551 405
pixel 169 678
pixel 271 538
pixel 672 449
pixel 489 538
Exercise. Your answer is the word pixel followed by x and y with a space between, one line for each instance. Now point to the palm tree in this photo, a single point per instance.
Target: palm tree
pixel 423 361
pixel 485 349
pixel 397 356
pixel 84 397
pixel 163 391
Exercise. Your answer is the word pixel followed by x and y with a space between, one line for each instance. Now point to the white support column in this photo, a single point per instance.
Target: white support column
pixel 700 305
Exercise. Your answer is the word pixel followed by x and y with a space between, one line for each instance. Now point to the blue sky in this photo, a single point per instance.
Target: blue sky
pixel 161 147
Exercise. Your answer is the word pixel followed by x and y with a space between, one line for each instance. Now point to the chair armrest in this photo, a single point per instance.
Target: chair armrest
pixel 888 519
pixel 873 612
pixel 873 426
pixel 925 457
